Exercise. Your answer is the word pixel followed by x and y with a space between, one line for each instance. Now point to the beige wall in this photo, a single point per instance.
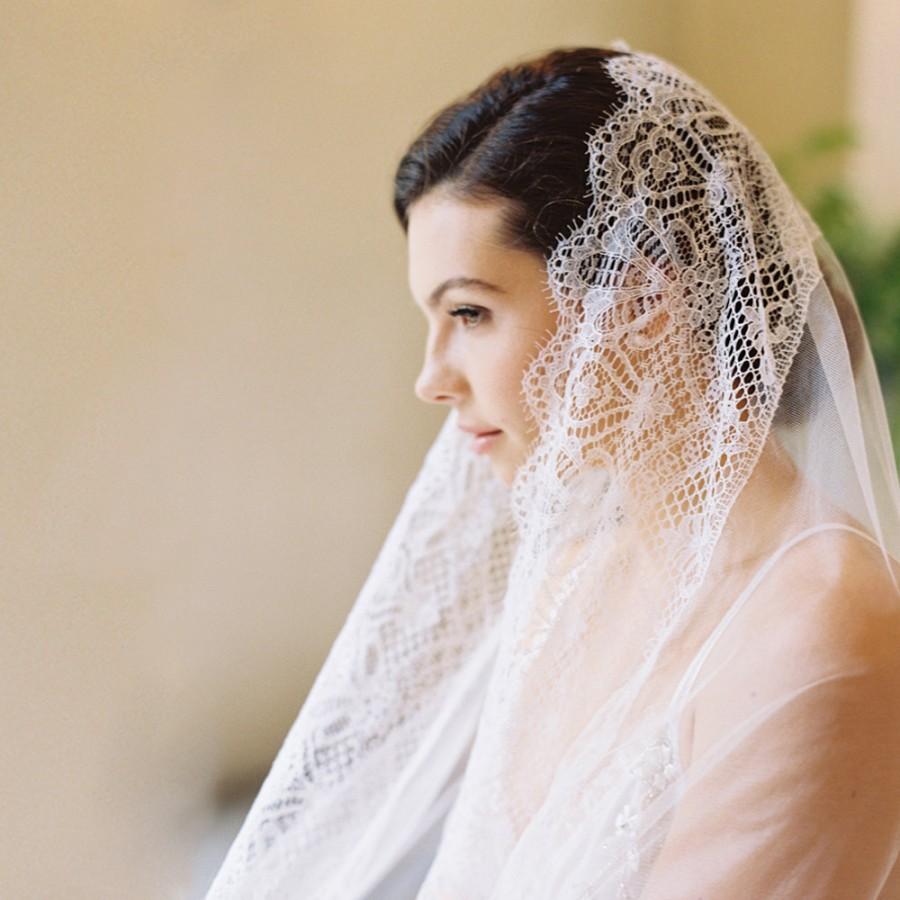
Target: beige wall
pixel 207 358
pixel 779 67
pixel 874 102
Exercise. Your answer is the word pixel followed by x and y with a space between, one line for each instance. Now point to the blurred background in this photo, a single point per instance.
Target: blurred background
pixel 208 349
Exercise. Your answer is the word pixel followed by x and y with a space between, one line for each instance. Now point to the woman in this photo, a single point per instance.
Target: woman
pixel 635 631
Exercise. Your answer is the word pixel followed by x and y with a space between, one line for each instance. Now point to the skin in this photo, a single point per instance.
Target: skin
pixel 480 341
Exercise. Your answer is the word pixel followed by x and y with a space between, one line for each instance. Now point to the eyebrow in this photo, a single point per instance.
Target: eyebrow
pixel 461 281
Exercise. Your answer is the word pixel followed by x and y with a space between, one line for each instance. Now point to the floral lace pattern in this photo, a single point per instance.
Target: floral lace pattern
pixel 685 287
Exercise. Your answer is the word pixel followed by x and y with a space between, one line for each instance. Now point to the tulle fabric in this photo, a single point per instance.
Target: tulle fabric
pixel 665 662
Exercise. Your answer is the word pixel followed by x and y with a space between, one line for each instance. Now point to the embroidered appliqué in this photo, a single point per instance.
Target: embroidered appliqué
pixel 654 770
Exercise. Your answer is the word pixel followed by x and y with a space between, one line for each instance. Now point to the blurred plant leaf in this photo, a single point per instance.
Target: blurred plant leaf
pixel 869 254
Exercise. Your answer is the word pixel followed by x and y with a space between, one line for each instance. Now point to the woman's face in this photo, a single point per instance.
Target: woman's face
pixel 483 334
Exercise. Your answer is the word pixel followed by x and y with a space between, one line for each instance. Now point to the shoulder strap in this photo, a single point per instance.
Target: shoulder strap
pixel 692 670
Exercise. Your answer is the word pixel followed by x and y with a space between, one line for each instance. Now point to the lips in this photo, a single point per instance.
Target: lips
pixel 479 431
pixel 482 438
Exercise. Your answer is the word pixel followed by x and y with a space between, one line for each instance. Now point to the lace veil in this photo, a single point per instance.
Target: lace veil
pixel 664 662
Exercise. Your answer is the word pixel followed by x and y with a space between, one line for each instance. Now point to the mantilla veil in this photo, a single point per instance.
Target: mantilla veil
pixel 632 673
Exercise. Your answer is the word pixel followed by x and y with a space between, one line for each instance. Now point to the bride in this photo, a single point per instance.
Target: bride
pixel 635 632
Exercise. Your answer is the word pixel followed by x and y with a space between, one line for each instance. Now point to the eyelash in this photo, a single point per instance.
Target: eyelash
pixel 464 312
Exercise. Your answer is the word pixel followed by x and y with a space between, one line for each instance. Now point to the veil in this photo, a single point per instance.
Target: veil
pixel 664 662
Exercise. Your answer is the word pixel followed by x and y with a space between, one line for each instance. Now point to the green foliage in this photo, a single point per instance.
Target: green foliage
pixel 870 255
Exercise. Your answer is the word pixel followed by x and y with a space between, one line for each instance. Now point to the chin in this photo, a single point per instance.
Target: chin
pixel 506 463
pixel 504 472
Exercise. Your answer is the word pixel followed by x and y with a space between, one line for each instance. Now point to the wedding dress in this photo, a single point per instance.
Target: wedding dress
pixel 659 763
pixel 664 663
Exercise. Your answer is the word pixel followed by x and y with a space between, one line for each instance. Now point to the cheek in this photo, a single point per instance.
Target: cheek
pixel 503 380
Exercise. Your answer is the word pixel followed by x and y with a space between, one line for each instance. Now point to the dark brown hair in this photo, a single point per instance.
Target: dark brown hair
pixel 520 136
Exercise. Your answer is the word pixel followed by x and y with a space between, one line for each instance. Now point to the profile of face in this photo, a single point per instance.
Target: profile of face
pixel 488 309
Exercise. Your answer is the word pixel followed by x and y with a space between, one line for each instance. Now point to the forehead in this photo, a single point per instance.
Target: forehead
pixel 447 237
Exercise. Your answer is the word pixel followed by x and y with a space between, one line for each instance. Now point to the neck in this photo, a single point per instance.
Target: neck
pixel 762 512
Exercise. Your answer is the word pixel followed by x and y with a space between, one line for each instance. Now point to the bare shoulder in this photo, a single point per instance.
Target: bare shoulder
pixel 843 593
pixel 827 611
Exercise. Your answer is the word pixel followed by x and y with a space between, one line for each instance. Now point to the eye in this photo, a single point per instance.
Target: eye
pixel 471 315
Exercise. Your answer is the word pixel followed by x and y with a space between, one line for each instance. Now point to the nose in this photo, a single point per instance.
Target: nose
pixel 439 381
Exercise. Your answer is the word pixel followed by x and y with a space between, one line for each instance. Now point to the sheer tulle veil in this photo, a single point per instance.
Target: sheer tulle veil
pixel 666 658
